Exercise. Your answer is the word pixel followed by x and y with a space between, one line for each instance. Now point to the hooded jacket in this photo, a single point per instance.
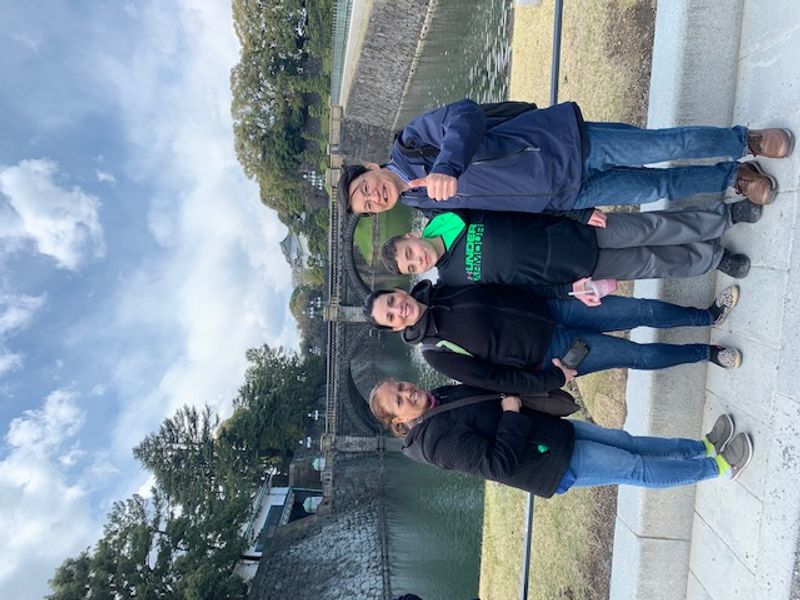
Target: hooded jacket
pixel 493 337
pixel 544 253
pixel 530 163
pixel 527 450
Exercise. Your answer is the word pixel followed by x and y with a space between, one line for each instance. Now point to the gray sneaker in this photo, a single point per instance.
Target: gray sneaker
pixel 738 453
pixel 727 358
pixel 721 433
pixel 724 303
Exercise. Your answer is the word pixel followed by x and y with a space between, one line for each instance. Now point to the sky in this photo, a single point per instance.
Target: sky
pixel 137 263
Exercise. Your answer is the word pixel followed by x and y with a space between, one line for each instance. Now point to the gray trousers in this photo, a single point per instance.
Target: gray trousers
pixel 646 245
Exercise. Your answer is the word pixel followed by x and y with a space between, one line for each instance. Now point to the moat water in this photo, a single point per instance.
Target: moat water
pixel 435 518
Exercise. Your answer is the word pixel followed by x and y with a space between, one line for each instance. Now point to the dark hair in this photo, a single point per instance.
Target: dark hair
pixel 389 254
pixel 349 173
pixel 398 429
pixel 369 303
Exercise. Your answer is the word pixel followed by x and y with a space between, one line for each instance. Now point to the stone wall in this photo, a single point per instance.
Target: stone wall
pixel 383 68
pixel 337 556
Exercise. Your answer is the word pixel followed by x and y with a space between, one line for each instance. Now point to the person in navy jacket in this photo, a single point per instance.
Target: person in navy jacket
pixel 466 155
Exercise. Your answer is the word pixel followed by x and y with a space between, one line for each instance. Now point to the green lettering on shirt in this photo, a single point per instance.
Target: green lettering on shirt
pixel 473 251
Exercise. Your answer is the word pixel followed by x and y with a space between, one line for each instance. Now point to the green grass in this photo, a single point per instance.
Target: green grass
pixel 605 57
pixel 605 68
pixel 564 542
pixel 394 222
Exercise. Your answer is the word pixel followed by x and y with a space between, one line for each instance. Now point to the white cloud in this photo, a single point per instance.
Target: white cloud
pixel 16 311
pixel 44 509
pixel 24 39
pixel 61 222
pixel 9 361
pixel 222 286
pixel 105 177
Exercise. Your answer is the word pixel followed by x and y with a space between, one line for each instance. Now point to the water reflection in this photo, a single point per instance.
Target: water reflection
pixel 467 52
pixel 435 518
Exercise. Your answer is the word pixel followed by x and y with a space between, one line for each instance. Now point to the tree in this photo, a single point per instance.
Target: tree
pixel 279 388
pixel 183 455
pixel 149 550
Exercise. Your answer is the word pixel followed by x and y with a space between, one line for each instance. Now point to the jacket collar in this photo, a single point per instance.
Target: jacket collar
pixel 425 327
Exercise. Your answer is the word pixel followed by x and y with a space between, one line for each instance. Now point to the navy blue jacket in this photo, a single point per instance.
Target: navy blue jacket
pixel 530 163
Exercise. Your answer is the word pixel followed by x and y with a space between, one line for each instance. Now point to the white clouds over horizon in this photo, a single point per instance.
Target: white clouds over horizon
pixel 168 323
pixel 45 515
pixel 62 223
pixel 219 284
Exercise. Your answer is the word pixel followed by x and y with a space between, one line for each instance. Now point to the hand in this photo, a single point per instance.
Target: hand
pixel 598 219
pixel 440 186
pixel 584 294
pixel 569 374
pixel 511 403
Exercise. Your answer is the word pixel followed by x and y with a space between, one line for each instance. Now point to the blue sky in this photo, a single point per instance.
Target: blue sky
pixel 136 261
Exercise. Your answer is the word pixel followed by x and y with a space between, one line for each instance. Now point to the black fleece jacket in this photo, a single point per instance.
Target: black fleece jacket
pixel 527 450
pixel 545 253
pixel 493 337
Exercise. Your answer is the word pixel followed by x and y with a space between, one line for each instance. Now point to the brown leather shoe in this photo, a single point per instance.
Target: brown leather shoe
pixel 770 143
pixel 754 184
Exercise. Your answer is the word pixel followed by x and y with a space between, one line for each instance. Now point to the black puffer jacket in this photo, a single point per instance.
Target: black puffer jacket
pixel 493 337
pixel 527 450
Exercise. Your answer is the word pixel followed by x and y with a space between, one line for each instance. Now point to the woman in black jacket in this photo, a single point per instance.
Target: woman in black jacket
pixel 509 339
pixel 502 441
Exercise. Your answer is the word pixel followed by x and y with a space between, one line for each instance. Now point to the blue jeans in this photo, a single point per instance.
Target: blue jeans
pixel 613 174
pixel 613 456
pixel 617 313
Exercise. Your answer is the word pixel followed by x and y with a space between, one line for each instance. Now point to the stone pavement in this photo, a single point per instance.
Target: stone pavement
pixel 723 62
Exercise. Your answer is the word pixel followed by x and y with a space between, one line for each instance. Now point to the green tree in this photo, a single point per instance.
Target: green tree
pixel 149 550
pixel 270 408
pixel 183 455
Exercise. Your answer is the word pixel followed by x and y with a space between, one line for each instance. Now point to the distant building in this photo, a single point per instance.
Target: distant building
pixel 273 507
pixel 295 251
pixel 315 179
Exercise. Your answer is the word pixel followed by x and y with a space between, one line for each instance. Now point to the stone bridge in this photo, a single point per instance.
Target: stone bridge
pixel 342 551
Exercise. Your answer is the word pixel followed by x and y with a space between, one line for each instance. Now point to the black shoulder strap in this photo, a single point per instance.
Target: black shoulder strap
pixel 558 403
pixel 437 410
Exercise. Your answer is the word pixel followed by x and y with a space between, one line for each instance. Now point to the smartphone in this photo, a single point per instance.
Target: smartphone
pixel 575 354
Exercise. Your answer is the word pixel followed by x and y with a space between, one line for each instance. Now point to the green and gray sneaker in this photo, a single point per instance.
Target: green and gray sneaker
pixel 736 455
pixel 719 436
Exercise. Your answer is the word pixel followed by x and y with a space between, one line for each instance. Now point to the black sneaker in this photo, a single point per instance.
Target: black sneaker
pixel 745 212
pixel 734 265
pixel 727 358
pixel 738 453
pixel 724 303
pixel 721 433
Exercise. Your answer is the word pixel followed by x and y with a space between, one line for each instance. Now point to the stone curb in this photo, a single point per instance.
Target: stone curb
pixel 693 82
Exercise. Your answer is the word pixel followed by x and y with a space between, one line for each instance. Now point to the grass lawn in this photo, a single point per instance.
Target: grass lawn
pixel 605 67
pixel 393 222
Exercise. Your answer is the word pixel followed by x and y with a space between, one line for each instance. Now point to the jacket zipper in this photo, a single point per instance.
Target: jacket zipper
pixel 506 155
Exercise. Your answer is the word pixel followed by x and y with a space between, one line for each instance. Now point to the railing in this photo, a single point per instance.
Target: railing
pixel 341 23
pixel 555 70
